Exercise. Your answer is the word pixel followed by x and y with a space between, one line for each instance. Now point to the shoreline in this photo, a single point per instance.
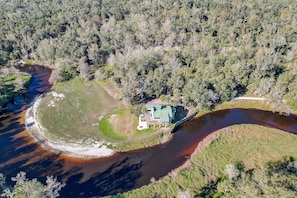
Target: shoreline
pixel 201 145
pixel 89 149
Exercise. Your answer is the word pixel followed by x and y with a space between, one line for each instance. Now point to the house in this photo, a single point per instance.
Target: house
pixel 160 114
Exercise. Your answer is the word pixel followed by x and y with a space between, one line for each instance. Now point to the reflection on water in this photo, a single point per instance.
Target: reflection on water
pixel 123 171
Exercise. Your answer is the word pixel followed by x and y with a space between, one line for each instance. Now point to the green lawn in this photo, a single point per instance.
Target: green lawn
pixel 107 129
pixel 120 126
pixel 77 116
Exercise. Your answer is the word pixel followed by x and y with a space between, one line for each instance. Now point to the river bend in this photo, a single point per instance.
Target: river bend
pixel 122 171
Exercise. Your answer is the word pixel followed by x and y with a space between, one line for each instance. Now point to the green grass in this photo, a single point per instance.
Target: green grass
pixel 147 139
pixel 106 128
pixel 10 78
pixel 77 116
pixel 86 103
pixel 136 140
pixel 89 112
pixel 244 104
pixel 26 79
pixel 145 131
pixel 252 145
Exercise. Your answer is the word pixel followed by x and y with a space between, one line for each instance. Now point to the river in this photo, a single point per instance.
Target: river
pixel 122 171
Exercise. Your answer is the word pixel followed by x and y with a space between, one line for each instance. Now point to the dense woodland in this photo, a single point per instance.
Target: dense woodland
pixel 276 179
pixel 201 51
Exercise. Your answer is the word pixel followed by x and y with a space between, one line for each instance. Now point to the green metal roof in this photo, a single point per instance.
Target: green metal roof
pixel 164 112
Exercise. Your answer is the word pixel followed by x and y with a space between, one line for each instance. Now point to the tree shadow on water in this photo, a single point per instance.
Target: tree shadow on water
pixel 119 177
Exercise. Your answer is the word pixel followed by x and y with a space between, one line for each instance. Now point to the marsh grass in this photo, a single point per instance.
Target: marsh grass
pixel 251 145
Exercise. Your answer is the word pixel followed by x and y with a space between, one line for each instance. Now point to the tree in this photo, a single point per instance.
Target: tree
pixel 30 188
pixel 84 69
pixel 275 179
pixel 94 54
pixel 200 93
pixel 67 73
pixel 53 187
pixel 232 46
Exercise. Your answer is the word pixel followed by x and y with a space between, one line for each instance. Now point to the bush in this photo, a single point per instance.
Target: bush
pixel 67 73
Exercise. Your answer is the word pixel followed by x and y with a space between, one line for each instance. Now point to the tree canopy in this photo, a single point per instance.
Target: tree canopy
pixel 203 51
pixel 276 179
pixel 25 187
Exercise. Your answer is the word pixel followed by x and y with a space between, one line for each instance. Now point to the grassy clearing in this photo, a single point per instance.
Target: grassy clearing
pixel 244 104
pixel 120 126
pixel 88 111
pixel 143 139
pixel 282 107
pixel 106 127
pixel 124 122
pixel 77 116
pixel 239 104
pixel 250 144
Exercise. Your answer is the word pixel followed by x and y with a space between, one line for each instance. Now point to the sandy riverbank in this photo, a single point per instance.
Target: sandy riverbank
pixel 83 149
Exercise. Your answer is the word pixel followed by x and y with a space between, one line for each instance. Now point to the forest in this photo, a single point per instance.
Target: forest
pixel 200 52
pixel 275 179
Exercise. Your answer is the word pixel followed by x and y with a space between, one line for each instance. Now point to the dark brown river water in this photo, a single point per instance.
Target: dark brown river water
pixel 123 171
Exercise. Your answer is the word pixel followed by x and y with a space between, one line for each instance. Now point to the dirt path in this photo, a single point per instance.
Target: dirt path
pixel 249 98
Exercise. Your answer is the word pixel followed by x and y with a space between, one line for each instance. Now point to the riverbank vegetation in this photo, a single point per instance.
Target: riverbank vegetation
pixel 246 104
pixel 250 145
pixel 199 51
pixel 276 179
pixel 12 82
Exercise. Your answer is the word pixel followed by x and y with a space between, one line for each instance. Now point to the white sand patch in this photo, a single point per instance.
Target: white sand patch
pixel 57 97
pixel 80 149
pixel 250 98
pixel 51 104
